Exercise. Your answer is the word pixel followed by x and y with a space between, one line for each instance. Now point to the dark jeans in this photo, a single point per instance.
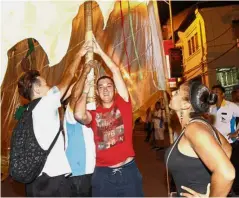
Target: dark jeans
pixel 235 162
pixel 46 186
pixel 149 130
pixel 80 185
pixel 124 181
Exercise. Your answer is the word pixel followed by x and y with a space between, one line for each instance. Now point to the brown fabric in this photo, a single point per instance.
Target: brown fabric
pixel 112 42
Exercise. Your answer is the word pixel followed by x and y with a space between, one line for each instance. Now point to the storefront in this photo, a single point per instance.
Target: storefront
pixel 228 77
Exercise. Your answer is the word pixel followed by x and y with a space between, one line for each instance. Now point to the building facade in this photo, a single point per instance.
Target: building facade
pixel 209 39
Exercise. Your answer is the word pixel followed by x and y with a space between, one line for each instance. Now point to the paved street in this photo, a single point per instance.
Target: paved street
pixel 150 165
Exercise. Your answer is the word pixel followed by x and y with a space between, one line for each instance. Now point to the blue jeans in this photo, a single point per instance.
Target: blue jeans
pixel 124 181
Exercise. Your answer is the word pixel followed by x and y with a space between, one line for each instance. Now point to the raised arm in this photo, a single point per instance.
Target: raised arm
pixel 81 114
pixel 117 77
pixel 79 85
pixel 213 156
pixel 71 69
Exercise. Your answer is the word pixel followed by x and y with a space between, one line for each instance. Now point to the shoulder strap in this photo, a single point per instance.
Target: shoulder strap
pixel 33 104
pixel 174 144
pixel 54 141
pixel 213 129
pixel 29 110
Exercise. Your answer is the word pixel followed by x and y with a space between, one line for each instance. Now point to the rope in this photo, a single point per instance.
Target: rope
pixel 220 35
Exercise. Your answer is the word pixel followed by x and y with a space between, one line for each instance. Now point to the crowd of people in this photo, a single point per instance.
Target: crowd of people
pixel 94 154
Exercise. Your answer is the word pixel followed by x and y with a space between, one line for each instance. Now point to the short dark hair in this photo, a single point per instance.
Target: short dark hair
pixel 25 83
pixel 105 77
pixel 219 87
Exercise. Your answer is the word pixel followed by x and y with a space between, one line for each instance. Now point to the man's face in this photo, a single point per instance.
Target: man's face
pixel 219 93
pixel 42 87
pixel 105 90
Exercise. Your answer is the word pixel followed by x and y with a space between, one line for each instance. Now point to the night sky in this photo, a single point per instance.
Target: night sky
pixel 177 6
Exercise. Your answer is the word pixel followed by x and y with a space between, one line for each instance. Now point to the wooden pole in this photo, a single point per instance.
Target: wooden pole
pixel 171 21
pixel 170 130
pixel 88 37
pixel 171 139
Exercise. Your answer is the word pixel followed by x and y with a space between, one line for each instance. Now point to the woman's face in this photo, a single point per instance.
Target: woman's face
pixel 177 98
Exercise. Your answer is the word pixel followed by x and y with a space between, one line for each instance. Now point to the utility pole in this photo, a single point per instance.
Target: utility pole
pixel 171 132
pixel 171 21
pixel 165 95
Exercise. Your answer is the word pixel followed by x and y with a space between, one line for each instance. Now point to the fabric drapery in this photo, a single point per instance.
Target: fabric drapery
pixel 139 35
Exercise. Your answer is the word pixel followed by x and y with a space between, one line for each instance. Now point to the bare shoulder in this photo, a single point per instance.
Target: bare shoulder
pixel 198 129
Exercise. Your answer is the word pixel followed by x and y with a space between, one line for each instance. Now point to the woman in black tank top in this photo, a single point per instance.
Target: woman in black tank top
pixel 200 155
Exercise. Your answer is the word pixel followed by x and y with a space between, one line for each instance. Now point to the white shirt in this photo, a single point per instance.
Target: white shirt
pixel 158 113
pixel 46 123
pixel 224 116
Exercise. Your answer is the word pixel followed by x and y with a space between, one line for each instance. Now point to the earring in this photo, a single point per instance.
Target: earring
pixel 181 116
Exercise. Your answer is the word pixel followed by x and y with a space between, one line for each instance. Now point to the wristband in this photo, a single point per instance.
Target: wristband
pixel 84 92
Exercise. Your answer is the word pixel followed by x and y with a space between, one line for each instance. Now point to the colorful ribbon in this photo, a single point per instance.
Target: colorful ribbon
pixel 31 46
pixel 134 43
pixel 122 24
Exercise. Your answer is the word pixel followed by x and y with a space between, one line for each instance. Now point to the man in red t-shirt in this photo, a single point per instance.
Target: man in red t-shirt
pixel 116 173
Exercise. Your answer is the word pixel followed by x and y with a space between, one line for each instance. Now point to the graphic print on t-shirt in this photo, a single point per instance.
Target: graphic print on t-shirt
pixel 110 128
